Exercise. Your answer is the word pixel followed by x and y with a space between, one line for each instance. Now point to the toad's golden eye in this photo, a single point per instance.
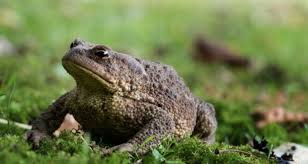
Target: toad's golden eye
pixel 102 53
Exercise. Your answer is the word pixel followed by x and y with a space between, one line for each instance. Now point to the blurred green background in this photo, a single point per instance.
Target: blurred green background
pixel 267 32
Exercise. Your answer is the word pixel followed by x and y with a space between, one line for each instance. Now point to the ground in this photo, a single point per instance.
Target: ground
pixel 269 33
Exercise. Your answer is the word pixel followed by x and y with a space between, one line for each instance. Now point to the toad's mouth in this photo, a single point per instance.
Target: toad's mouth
pixel 79 66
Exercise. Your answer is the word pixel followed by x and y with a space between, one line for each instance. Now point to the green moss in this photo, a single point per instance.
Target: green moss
pixel 236 126
pixel 31 81
pixel 67 143
pixel 10 130
pixel 193 150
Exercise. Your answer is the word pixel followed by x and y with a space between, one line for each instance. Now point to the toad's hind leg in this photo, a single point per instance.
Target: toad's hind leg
pixel 206 123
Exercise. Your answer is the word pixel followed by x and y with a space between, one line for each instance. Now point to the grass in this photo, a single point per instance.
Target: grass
pixel 29 82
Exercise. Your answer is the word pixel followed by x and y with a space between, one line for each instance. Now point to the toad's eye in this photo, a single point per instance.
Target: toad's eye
pixel 102 53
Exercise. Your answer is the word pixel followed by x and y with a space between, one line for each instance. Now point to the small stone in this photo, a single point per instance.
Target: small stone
pixel 6 47
pixel 298 152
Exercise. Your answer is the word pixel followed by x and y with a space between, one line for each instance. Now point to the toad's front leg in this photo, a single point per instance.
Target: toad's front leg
pixel 47 122
pixel 160 124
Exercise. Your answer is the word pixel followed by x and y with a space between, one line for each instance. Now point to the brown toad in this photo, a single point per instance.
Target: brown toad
pixel 125 100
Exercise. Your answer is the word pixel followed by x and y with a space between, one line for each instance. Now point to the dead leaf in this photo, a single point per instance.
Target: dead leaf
pixel 211 52
pixel 278 115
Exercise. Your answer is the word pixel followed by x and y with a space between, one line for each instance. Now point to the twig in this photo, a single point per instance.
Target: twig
pixel 20 125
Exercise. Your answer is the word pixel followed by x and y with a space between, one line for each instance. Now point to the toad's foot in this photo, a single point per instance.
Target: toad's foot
pixel 35 137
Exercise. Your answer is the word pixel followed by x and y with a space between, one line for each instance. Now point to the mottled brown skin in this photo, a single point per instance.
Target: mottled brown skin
pixel 125 100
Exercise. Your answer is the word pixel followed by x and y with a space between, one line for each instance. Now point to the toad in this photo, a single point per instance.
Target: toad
pixel 125 100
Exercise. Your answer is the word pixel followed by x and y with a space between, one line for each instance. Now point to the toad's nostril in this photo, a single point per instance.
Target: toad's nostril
pixel 73 44
pixel 76 42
